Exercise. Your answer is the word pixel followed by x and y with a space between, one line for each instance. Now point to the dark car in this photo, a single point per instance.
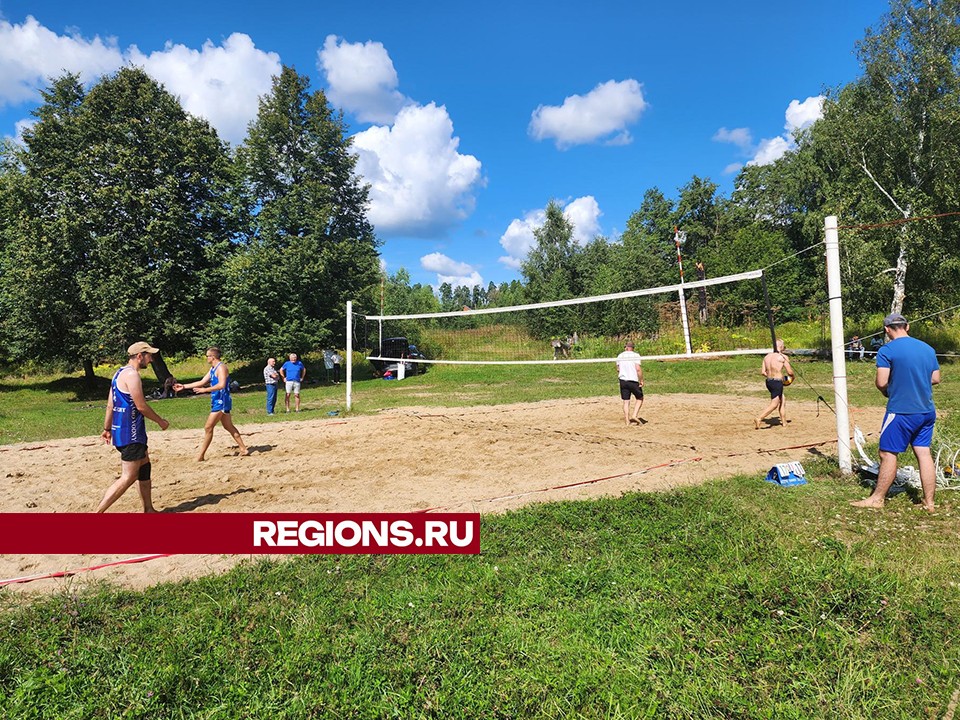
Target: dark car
pixel 396 348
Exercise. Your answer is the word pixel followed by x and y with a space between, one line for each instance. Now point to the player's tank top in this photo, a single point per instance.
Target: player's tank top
pixel 127 425
pixel 220 399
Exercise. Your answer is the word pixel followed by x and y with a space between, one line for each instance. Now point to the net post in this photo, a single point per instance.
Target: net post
pixel 766 300
pixel 349 354
pixel 832 243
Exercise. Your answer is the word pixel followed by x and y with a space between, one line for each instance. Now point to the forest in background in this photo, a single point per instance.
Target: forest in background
pixel 122 216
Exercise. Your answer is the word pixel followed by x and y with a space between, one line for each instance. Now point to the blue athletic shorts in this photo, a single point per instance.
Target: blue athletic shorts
pixel 899 432
pixel 219 404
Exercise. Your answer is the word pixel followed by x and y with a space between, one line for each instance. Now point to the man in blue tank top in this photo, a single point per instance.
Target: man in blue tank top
pixel 217 383
pixel 125 429
pixel 907 370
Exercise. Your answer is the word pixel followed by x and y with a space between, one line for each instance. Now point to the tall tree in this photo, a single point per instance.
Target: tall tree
pixel 890 137
pixel 550 271
pixel 311 247
pixel 118 223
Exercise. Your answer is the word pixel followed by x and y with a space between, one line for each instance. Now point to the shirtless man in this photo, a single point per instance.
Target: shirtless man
pixel 775 366
pixel 125 429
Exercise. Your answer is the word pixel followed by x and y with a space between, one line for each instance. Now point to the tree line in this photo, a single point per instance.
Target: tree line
pixel 123 217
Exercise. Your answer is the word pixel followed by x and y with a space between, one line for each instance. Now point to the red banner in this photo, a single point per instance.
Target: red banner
pixel 240 533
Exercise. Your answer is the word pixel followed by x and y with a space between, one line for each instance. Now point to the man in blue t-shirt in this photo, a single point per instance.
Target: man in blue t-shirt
pixel 907 370
pixel 293 373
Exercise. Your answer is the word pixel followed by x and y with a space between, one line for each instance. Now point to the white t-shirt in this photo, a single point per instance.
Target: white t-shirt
pixel 627 362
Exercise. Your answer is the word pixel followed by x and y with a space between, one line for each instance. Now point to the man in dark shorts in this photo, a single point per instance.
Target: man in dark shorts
pixel 775 367
pixel 907 370
pixel 631 382
pixel 125 429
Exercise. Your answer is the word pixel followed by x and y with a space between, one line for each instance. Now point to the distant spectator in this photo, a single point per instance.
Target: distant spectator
pixel 856 348
pixel 293 373
pixel 270 378
pixel 328 363
pixel 337 362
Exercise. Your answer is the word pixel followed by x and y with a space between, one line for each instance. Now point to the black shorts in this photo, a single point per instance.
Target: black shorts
pixel 133 452
pixel 775 386
pixel 630 387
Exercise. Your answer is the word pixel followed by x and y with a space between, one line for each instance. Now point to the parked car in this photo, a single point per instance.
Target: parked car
pixel 398 347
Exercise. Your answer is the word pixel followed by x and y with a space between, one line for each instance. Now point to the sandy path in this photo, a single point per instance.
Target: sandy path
pixel 483 459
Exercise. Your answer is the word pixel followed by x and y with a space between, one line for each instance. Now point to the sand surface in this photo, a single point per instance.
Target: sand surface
pixel 481 459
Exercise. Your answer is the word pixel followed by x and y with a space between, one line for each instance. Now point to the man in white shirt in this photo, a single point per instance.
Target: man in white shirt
pixel 631 382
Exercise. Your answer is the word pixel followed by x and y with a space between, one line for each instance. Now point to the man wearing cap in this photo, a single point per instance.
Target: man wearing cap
pixel 631 382
pixel 907 370
pixel 124 427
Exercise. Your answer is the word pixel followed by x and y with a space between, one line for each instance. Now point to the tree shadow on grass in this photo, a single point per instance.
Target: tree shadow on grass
pixel 212 499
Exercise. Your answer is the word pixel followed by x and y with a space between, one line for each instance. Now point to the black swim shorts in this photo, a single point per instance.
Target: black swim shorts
pixel 133 451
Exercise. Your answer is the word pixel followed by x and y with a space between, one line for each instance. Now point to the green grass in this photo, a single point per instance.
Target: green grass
pixel 734 599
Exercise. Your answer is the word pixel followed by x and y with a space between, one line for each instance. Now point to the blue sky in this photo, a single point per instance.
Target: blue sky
pixel 469 118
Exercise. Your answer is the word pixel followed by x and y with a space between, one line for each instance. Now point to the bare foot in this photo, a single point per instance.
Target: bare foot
pixel 931 508
pixel 150 510
pixel 244 452
pixel 868 503
pixel 200 458
pixel 756 424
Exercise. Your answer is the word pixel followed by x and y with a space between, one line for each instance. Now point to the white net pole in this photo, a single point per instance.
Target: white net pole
pixel 837 343
pixel 349 354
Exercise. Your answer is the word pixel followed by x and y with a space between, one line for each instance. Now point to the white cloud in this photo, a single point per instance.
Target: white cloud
pixel 732 168
pixel 451 271
pixel 420 183
pixel 770 150
pixel 741 137
pixel 798 116
pixel 801 115
pixel 30 55
pixel 604 112
pixel 221 84
pixel 361 79
pixel 518 239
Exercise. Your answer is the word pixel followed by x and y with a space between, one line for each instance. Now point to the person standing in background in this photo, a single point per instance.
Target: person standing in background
pixel 270 378
pixel 293 373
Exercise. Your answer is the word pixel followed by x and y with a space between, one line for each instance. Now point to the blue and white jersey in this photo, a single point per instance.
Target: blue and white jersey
pixel 220 400
pixel 127 425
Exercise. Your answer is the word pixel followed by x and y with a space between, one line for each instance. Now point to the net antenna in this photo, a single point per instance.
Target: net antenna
pixel 575 330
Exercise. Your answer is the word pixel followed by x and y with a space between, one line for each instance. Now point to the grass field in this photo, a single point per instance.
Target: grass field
pixel 733 599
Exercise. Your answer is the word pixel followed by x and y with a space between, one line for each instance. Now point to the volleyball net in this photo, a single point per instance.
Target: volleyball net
pixel 673 321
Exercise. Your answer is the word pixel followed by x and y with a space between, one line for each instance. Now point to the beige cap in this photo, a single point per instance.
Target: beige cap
pixel 141 347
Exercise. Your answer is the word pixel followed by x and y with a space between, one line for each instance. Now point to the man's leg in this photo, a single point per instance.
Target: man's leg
pixel 626 411
pixel 774 404
pixel 228 425
pixel 208 427
pixel 782 410
pixel 636 410
pixel 885 478
pixel 286 401
pixel 145 485
pixel 128 476
pixel 928 476
pixel 297 395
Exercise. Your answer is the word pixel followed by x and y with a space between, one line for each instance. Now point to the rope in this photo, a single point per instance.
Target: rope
pixel 899 221
pixel 68 573
pixel 801 252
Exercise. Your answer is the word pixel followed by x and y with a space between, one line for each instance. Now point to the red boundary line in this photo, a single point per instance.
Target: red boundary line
pixel 68 573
